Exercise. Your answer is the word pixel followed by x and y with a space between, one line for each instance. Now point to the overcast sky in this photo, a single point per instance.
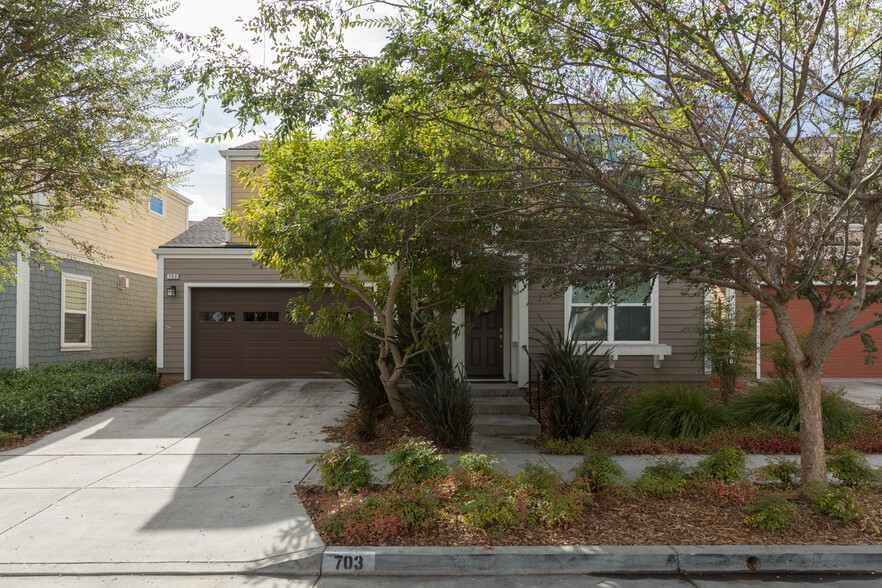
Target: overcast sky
pixel 196 17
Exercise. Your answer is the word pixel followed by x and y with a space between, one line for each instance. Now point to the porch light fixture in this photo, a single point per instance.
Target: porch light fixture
pixel 171 291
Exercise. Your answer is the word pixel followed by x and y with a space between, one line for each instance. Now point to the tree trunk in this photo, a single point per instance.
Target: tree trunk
pixel 811 430
pixel 390 384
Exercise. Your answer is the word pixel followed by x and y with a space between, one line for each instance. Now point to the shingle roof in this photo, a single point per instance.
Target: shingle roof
pixel 249 146
pixel 208 233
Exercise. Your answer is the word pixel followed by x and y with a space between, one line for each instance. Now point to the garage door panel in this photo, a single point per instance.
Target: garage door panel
pixel 847 358
pixel 265 346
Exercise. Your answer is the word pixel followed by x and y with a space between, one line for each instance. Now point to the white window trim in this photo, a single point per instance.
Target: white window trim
pixel 622 348
pixel 164 204
pixel 88 281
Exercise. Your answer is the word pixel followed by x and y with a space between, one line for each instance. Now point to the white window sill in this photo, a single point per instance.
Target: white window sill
pixel 658 351
pixel 76 348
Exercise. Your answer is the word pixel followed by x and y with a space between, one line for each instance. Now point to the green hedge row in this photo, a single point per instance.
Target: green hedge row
pixel 38 399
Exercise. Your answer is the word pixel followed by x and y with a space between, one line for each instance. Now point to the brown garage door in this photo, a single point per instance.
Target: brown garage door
pixel 245 333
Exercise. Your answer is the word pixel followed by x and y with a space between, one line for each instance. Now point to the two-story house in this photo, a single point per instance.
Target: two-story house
pixel 222 316
pixel 97 306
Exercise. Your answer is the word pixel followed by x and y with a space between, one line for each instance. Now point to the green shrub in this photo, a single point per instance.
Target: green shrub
pixel 726 340
pixel 666 477
pixel 597 471
pixel 414 461
pixel 41 398
pixel 836 501
pixel 782 470
pixel 673 410
pixel 442 398
pixel 537 477
pixel 851 467
pixel 358 367
pixel 478 463
pixel 342 468
pixel 777 354
pixel 775 404
pixel 772 512
pixel 560 508
pixel 568 446
pixel 363 518
pixel 580 383
pixel 727 465
pixel 494 508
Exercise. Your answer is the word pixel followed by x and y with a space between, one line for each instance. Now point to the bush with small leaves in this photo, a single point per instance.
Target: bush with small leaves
pixel 597 471
pixel 837 501
pixel 666 477
pixel 479 463
pixel 727 465
pixel 414 461
pixel 772 512
pixel 342 468
pixel 537 477
pixel 781 470
pixel 851 467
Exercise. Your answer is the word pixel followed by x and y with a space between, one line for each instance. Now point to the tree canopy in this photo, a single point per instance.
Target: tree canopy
pixel 727 145
pixel 85 114
pixel 383 215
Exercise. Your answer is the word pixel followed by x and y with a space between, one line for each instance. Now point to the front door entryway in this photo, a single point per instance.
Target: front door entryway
pixel 484 342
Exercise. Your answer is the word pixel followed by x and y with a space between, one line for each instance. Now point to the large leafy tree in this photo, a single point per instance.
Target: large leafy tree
pixel 85 114
pixel 380 213
pixel 728 145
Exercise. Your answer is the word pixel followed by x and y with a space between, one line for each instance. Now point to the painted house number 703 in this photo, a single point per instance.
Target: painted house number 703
pixel 349 562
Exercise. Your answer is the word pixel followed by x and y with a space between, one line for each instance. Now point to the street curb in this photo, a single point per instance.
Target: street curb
pixel 647 559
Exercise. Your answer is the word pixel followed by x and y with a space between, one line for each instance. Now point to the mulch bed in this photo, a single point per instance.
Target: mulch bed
pixel 388 431
pixel 613 520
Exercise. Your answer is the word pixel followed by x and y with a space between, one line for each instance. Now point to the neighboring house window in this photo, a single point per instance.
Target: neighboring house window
pixel 630 319
pixel 157 205
pixel 76 312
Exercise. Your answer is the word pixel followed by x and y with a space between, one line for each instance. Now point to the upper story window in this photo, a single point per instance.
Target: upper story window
pixel 157 204
pixel 631 318
pixel 76 312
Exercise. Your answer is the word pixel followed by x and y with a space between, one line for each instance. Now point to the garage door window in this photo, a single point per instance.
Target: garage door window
pixel 217 316
pixel 260 317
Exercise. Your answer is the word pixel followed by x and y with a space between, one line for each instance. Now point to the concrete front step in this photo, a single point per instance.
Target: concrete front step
pixel 501 405
pixel 506 424
pixel 490 389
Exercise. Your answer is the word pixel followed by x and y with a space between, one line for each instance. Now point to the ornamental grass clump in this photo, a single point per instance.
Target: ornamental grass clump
pixel 414 461
pixel 775 405
pixel 442 397
pixel 583 388
pixel 358 367
pixel 671 411
pixel 342 468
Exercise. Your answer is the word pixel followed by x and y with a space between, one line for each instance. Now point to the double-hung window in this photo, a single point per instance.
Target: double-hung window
pixel 612 317
pixel 76 312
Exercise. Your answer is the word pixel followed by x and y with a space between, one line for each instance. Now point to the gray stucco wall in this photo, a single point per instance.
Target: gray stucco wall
pixel 7 326
pixel 123 321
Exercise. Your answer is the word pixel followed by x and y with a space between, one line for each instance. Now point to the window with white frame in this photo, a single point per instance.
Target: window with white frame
pixel 624 317
pixel 157 204
pixel 76 312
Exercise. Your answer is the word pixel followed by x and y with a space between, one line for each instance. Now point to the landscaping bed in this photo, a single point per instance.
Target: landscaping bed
pixel 44 398
pixel 615 520
pixel 471 502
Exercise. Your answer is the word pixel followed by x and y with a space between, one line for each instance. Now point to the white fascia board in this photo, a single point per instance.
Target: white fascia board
pixel 240 153
pixel 205 252
pixel 177 196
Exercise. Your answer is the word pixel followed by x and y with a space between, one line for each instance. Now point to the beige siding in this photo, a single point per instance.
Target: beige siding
pixel 193 270
pixel 239 192
pixel 677 312
pixel 124 241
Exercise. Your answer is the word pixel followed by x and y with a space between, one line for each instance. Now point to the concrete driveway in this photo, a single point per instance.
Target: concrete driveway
pixel 198 475
pixel 863 391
